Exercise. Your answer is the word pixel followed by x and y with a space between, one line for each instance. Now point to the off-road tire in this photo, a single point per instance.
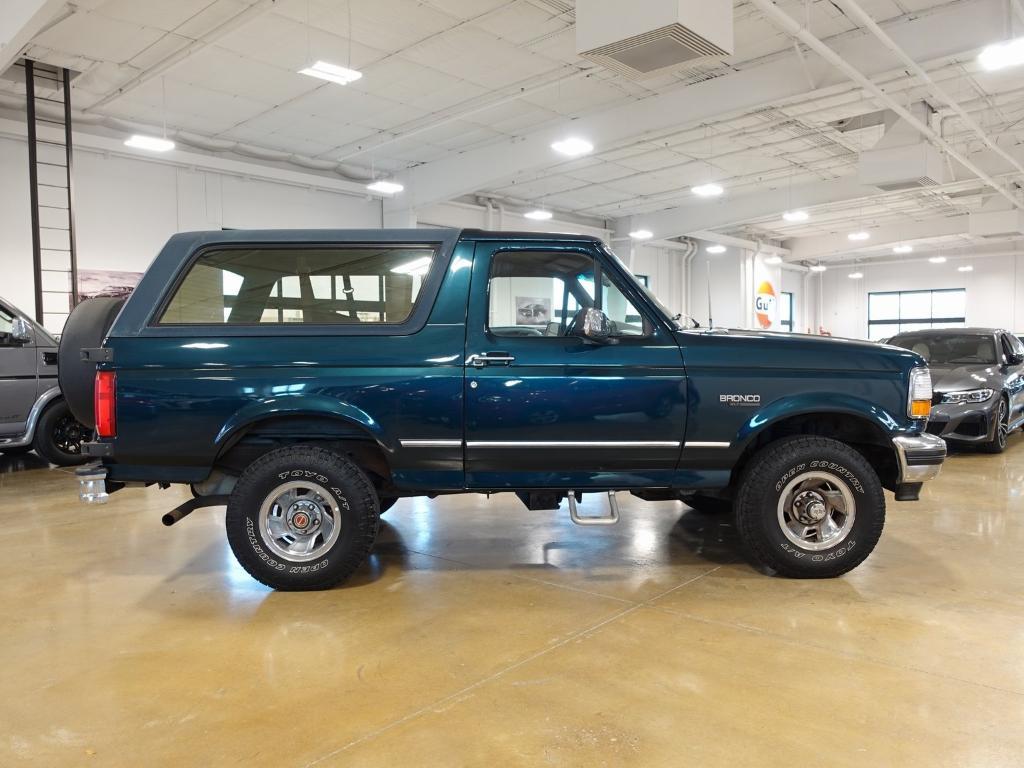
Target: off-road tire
pixel 757 502
pixel 357 508
pixel 998 443
pixel 708 505
pixel 58 416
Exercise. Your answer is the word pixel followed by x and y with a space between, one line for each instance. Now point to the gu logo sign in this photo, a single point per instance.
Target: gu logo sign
pixel 764 305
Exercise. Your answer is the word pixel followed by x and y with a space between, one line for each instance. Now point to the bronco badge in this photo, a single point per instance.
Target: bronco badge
pixel 740 400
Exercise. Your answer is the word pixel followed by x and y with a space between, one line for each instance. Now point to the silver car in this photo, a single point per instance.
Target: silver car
pixel 33 414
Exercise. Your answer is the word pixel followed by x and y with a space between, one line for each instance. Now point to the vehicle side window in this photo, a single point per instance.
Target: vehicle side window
pixel 268 285
pixel 1011 346
pixel 538 293
pixel 6 325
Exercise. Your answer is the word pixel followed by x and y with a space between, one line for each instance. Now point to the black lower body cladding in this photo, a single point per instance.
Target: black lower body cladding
pixel 809 507
pixel 86 328
pixel 302 518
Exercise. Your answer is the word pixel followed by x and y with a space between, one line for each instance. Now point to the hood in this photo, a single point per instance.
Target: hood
pixel 955 378
pixel 766 349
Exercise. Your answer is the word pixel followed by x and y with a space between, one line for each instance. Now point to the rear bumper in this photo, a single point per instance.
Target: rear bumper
pixel 920 457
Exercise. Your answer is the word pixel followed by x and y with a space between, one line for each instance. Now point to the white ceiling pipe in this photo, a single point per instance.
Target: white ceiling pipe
pixel 788 25
pixel 950 259
pixel 166 63
pixel 858 13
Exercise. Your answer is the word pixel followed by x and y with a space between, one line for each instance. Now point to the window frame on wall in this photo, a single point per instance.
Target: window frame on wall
pixel 909 324
pixel 787 300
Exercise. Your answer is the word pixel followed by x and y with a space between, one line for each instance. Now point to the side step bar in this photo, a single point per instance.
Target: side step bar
pixel 610 519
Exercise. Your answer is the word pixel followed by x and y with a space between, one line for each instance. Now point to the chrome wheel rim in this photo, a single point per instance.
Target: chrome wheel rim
pixel 816 510
pixel 300 521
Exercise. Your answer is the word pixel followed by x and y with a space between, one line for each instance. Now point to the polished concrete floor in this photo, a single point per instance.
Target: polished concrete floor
pixel 481 634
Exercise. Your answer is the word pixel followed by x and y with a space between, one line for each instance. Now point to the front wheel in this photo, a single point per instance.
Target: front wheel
pixel 1002 433
pixel 302 518
pixel 809 507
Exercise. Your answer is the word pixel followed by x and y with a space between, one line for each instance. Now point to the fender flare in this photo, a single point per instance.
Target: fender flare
pixel 320 406
pixel 41 404
pixel 809 404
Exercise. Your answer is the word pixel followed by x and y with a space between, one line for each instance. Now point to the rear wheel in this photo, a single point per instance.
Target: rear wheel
pixel 998 442
pixel 302 518
pixel 59 436
pixel 809 507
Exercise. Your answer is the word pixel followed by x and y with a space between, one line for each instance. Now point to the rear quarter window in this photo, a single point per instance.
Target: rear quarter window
pixel 274 285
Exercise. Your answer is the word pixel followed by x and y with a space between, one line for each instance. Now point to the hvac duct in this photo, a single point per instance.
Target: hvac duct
pixel 644 38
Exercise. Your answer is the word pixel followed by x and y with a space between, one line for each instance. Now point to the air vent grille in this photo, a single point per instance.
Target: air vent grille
pixel 654 52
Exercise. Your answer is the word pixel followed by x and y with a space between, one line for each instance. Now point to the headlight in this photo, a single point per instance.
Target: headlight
pixel 967 396
pixel 919 399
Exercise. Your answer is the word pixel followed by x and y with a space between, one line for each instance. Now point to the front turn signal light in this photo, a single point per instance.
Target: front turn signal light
pixel 920 409
pixel 919 400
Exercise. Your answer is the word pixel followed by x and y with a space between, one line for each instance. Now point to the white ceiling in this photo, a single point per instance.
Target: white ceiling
pixel 445 76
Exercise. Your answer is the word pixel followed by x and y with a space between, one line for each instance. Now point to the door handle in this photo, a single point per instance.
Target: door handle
pixel 490 358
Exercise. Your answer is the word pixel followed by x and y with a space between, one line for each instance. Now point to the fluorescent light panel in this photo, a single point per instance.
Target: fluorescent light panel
pixel 415 267
pixel 332 72
pixel 707 190
pixel 573 147
pixel 796 216
pixel 538 215
pixel 641 234
pixel 818 268
pixel 773 260
pixel 937 259
pixel 1003 55
pixel 716 249
pixel 151 143
pixel 385 187
pixel 859 235
pixel 965 268
pixel 855 275
pixel 903 249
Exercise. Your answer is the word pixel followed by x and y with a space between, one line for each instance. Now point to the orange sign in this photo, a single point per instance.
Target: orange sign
pixel 764 305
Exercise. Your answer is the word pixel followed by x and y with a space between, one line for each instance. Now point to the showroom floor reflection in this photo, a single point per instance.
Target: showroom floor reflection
pixel 483 634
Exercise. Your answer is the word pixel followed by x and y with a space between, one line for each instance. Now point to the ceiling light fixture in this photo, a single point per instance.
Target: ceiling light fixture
pixel 385 187
pixel 641 234
pixel 818 268
pixel 903 249
pixel 859 235
pixel 937 259
pixel 716 249
pixel 796 216
pixel 1003 55
pixel 855 275
pixel 573 147
pixel 415 267
pixel 707 190
pixel 965 268
pixel 539 215
pixel 151 143
pixel 324 70
pixel 773 260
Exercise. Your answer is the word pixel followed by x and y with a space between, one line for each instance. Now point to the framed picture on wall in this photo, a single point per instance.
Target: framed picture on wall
pixel 533 310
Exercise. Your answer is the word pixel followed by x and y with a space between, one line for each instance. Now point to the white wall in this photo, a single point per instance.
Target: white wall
pixel 126 208
pixel 995 293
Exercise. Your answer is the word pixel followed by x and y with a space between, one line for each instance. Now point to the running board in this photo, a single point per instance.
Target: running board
pixel 610 519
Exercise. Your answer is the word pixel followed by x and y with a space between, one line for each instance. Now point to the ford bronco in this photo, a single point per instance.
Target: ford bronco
pixel 308 379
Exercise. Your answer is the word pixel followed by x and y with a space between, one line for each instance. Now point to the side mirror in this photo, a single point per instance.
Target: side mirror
pixel 1014 359
pixel 21 331
pixel 593 325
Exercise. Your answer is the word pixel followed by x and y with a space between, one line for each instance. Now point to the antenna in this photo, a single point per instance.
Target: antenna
pixel 711 323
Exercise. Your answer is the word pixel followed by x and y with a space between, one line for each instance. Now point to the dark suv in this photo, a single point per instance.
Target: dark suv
pixel 307 379
pixel 978 376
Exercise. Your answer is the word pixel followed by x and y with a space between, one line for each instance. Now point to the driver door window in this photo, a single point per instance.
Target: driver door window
pixel 537 293
pixel 6 326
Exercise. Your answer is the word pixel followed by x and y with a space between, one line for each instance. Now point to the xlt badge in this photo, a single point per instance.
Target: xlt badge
pixel 741 400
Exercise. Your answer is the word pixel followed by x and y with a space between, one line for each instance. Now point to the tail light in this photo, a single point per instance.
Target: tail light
pixel 105 394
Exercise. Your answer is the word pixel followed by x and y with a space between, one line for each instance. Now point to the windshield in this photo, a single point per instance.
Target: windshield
pixel 678 321
pixel 959 349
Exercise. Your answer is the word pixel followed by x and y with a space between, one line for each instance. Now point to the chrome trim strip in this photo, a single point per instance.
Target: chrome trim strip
pixel 572 444
pixel 698 444
pixel 431 443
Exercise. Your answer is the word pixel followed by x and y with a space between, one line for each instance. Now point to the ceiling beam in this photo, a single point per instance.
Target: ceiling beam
pixel 20 21
pixel 951 30
pixel 883 239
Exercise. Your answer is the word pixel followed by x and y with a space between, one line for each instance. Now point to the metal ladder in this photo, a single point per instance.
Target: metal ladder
pixel 51 192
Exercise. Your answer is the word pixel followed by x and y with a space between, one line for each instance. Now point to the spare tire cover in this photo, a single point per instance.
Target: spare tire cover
pixel 86 328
